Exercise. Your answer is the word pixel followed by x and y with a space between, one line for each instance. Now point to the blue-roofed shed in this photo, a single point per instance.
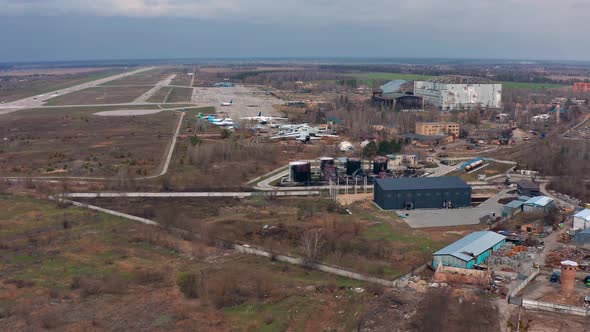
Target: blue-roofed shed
pixel 539 204
pixel 582 237
pixel 513 208
pixel 469 251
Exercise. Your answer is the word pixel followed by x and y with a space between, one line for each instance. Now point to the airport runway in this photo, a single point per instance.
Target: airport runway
pixel 163 83
pixel 39 100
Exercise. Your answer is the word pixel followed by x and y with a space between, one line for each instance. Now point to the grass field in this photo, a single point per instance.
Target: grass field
pixel 179 95
pixel 160 95
pixel 100 95
pixel 378 76
pixel 67 268
pixel 39 85
pixel 73 141
pixel 369 241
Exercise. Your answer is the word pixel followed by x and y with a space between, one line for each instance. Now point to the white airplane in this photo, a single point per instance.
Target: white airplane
pixel 263 119
pixel 303 135
pixel 222 122
pixel 231 102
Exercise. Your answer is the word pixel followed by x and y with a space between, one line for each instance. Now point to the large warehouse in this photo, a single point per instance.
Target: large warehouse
pixel 471 250
pixel 422 193
pixel 460 92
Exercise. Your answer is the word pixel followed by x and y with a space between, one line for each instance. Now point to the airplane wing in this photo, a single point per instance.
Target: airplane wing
pixel 276 118
pixel 250 118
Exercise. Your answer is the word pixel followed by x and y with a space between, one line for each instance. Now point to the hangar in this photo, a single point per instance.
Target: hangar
pixel 469 251
pixel 422 193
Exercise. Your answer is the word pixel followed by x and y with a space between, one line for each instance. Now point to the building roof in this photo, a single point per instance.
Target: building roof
pixel 418 137
pixel 539 201
pixel 526 184
pixel 523 198
pixel 584 214
pixel 514 204
pixel 392 86
pixel 474 243
pixel 441 182
pixel 456 79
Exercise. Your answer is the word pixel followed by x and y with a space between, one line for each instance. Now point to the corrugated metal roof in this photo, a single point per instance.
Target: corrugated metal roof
pixel 524 198
pixel 474 243
pixel 539 201
pixel 457 79
pixel 515 204
pixel 392 86
pixel 441 182
pixel 584 214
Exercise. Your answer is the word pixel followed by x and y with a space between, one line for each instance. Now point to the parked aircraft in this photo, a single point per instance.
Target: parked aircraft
pixel 227 103
pixel 263 119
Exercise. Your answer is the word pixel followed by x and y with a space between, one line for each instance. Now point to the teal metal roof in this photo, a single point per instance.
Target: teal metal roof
pixel 472 245
pixel 539 201
pixel 514 204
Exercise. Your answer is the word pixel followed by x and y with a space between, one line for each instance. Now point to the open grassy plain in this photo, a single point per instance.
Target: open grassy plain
pixel 75 142
pixel 67 268
pixel 368 241
pixel 179 95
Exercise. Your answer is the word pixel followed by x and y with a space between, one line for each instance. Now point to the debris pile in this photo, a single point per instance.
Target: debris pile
pixel 555 258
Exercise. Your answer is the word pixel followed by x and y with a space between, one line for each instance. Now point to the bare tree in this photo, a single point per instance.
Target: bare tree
pixel 311 243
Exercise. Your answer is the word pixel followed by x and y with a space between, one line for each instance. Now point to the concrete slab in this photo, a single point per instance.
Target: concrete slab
pixel 454 217
pixel 247 101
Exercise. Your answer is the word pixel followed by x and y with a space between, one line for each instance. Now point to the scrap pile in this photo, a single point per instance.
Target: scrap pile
pixel 555 258
pixel 515 250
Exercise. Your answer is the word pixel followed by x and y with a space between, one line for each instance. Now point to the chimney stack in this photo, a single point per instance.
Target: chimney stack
pixel 568 277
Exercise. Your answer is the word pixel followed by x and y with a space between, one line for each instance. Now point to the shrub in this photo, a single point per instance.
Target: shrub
pixel 188 283
pixel 145 277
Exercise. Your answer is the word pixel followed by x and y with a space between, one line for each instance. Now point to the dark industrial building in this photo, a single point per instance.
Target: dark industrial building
pixel 422 193
pixel 393 95
pixel 528 188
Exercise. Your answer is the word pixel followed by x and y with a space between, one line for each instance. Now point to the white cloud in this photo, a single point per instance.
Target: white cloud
pixel 479 15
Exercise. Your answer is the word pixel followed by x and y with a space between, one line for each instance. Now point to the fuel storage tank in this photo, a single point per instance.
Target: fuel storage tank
pixel 353 165
pixel 326 161
pixel 379 164
pixel 300 171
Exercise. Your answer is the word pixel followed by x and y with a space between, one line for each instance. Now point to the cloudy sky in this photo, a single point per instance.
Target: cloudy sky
pixel 47 30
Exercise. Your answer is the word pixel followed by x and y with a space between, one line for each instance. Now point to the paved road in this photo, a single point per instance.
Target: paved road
pixel 189 194
pixel 38 101
pixel 165 82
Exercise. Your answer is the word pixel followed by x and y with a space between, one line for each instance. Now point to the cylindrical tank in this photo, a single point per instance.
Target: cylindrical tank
pixel 353 165
pixel 326 161
pixel 379 164
pixel 568 277
pixel 300 171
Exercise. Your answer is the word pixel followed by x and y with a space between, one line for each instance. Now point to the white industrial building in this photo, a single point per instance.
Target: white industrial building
pixel 460 92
